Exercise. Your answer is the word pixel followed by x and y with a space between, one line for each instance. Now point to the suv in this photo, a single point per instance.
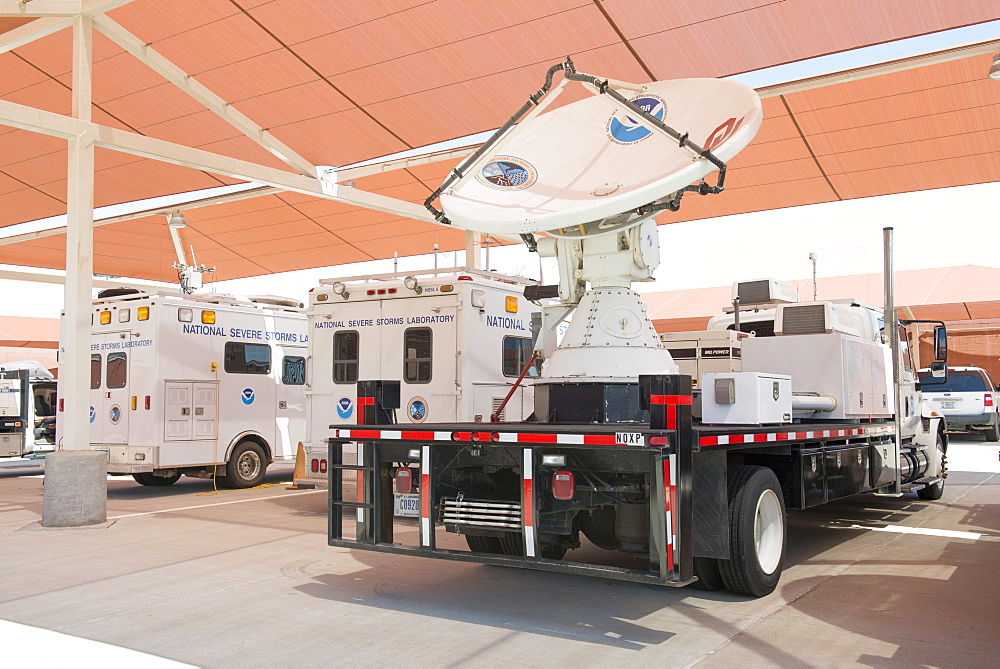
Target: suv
pixel 967 399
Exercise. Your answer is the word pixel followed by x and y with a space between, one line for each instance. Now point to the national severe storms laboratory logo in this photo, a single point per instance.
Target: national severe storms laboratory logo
pixel 508 173
pixel 623 129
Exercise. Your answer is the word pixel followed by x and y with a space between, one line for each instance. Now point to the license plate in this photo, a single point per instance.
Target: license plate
pixel 406 505
pixel 947 405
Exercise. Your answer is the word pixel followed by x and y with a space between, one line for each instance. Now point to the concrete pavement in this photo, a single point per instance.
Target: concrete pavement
pixel 245 578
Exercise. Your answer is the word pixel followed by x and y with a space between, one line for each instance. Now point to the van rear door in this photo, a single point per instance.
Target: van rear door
pixel 116 399
pixel 424 337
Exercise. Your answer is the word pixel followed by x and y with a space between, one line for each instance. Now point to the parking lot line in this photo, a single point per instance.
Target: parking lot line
pixel 203 506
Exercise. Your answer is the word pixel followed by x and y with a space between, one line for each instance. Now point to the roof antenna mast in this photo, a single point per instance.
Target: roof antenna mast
pixel 189 275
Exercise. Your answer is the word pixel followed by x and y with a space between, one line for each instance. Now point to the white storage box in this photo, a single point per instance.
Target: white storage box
pixel 746 398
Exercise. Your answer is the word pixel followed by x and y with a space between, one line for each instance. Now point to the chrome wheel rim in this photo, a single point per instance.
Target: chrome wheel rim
pixel 248 465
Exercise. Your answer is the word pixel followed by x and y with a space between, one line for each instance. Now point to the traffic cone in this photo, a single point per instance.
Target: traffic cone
pixel 300 468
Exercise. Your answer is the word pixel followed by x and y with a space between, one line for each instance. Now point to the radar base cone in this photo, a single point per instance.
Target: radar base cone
pixel 610 339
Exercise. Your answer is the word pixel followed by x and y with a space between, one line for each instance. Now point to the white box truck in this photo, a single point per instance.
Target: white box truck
pixel 39 410
pixel 205 385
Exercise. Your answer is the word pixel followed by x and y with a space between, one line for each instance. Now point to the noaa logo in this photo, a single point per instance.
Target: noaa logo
pixel 93 414
pixel 416 410
pixel 345 407
pixel 115 414
pixel 508 173
pixel 247 396
pixel 623 129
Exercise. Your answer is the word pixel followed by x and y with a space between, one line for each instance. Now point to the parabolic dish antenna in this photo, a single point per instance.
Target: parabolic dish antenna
pixel 590 175
pixel 594 159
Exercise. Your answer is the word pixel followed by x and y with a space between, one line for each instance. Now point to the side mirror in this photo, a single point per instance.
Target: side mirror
pixel 938 370
pixel 940 344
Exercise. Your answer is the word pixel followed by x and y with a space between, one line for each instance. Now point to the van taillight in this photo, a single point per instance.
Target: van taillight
pixel 146 402
pixel 322 466
pixel 563 485
pixel 988 400
pixel 404 480
pixel 314 466
pixel 60 404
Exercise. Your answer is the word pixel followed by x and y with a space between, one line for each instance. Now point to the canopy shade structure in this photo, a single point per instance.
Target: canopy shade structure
pixel 289 85
pixel 24 332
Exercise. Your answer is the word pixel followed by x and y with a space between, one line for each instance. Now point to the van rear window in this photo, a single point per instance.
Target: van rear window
pixel 247 358
pixel 95 370
pixel 417 355
pixel 345 356
pixel 117 369
pixel 293 370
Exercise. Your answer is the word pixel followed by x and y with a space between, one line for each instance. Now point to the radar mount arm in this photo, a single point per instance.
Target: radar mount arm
pixel 601 87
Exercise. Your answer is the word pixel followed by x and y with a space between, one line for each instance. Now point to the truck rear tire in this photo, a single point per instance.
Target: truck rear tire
pixel 709 575
pixel 247 466
pixel 757 530
pixel 992 433
pixel 483 544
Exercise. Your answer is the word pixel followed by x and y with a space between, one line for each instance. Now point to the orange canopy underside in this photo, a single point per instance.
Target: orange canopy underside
pixel 345 82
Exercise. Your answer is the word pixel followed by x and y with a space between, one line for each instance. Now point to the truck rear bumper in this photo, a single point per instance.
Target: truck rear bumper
pixel 367 515
pixel 965 421
pixel 124 459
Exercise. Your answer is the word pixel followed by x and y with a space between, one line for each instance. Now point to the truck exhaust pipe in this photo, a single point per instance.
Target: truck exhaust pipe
pixel 891 331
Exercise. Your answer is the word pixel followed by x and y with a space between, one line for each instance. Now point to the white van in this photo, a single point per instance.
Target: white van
pixel 203 385
pixel 456 339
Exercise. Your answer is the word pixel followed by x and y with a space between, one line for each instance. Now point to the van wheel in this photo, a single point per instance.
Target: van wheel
pixel 146 478
pixel 247 466
pixel 756 532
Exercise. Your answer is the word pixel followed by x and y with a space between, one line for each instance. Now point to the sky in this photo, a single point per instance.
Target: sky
pixel 937 228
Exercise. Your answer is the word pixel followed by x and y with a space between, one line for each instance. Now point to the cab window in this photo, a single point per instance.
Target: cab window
pixel 293 370
pixel 117 375
pixel 95 370
pixel 247 358
pixel 417 355
pixel 345 356
pixel 516 354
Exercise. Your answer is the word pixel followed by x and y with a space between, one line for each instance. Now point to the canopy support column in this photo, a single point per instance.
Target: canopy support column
pixel 74 367
pixel 473 243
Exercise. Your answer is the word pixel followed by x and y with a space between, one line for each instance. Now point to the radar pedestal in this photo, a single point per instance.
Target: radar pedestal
pixel 593 375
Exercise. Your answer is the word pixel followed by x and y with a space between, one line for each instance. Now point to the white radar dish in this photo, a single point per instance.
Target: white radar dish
pixel 591 161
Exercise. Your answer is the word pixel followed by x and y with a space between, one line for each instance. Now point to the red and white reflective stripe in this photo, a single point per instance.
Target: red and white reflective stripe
pixel 425 496
pixel 670 404
pixel 575 439
pixel 502 437
pixel 412 435
pixel 366 401
pixel 361 485
pixel 670 497
pixel 727 439
pixel 528 503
